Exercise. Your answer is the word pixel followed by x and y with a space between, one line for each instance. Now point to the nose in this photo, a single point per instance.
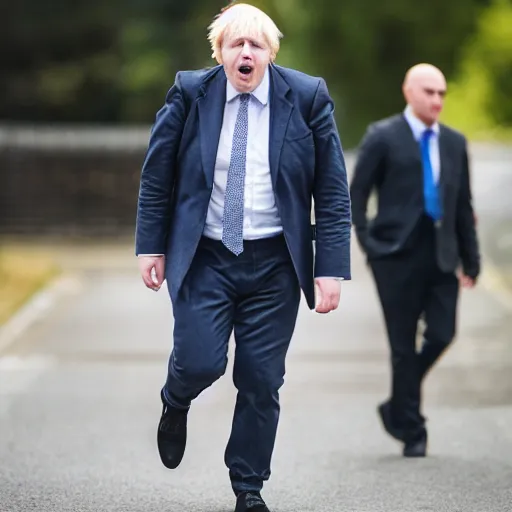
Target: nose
pixel 436 101
pixel 246 49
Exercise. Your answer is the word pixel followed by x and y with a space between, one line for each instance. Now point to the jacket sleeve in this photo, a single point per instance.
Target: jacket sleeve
pixel 466 225
pixel 369 160
pixel 330 191
pixel 158 175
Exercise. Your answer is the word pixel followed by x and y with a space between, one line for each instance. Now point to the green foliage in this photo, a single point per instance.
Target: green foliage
pixel 94 61
pixel 363 49
pixel 60 63
pixel 156 43
pixel 480 99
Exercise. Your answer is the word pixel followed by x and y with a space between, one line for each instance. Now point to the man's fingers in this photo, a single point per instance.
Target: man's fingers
pixel 335 302
pixel 159 272
pixel 327 304
pixel 324 308
pixel 152 270
pixel 147 277
pixel 328 295
pixel 467 282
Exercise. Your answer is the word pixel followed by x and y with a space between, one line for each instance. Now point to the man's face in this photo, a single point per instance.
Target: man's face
pixel 245 60
pixel 425 94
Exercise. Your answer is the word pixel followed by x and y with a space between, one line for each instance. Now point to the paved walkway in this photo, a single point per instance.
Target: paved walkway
pixel 79 406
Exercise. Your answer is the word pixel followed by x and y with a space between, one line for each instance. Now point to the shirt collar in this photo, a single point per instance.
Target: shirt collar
pixel 260 93
pixel 418 126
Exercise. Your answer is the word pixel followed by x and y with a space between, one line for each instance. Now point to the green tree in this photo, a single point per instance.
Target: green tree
pixel 157 39
pixel 480 98
pixel 113 62
pixel 59 64
pixel 363 49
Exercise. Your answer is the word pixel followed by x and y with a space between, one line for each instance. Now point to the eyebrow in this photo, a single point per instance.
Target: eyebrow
pixel 251 39
pixel 431 89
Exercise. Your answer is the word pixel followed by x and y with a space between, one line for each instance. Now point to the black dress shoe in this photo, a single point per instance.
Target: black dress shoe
pixel 250 502
pixel 172 435
pixel 416 447
pixel 384 411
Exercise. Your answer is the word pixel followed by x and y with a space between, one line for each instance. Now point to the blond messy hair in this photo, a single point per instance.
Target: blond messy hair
pixel 243 20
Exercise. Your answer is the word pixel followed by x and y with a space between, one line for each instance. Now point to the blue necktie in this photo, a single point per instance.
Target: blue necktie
pixel 430 189
pixel 233 218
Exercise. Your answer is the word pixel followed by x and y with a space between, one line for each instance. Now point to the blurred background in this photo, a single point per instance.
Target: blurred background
pixel 82 81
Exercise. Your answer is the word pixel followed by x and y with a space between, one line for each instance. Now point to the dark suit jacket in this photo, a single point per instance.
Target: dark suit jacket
pixel 305 158
pixel 390 161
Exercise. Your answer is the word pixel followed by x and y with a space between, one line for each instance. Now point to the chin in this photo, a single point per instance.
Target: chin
pixel 244 87
pixel 435 116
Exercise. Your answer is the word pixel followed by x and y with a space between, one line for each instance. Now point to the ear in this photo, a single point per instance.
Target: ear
pixel 217 55
pixel 217 52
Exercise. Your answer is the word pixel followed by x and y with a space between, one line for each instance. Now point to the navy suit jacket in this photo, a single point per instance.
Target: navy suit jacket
pixel 390 161
pixel 305 157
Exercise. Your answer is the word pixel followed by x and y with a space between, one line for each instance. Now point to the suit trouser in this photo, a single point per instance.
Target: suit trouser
pixel 257 296
pixel 410 284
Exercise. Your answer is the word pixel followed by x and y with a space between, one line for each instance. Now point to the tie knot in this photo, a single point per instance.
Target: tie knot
pixel 244 98
pixel 427 134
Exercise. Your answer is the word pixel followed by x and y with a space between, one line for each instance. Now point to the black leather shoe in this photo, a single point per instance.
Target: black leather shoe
pixel 250 502
pixel 384 411
pixel 416 447
pixel 172 435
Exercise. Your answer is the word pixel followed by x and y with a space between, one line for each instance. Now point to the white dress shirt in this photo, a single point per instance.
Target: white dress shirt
pixel 418 127
pixel 261 219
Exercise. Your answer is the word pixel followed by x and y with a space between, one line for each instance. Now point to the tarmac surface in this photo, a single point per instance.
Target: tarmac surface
pixel 79 398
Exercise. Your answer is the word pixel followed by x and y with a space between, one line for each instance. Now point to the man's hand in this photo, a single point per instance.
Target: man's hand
pixel 466 281
pixel 328 294
pixel 152 269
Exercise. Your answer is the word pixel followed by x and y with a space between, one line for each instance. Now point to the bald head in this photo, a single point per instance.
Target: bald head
pixel 422 72
pixel 424 89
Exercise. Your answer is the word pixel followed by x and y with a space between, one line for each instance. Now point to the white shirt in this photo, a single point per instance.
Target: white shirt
pixel 418 127
pixel 261 218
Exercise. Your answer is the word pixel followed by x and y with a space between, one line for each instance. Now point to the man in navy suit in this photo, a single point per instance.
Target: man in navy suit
pixel 236 157
pixel 420 245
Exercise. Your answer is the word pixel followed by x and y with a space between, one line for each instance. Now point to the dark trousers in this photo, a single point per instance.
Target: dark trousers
pixel 410 284
pixel 257 295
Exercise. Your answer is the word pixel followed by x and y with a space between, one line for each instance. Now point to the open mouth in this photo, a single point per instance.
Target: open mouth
pixel 245 70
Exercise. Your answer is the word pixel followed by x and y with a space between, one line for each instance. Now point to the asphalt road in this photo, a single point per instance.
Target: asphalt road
pixel 79 401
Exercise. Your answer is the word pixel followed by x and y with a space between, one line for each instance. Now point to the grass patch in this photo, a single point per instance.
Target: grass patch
pixel 23 271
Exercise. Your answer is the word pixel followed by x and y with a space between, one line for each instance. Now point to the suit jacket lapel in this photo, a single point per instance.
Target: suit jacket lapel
pixel 408 136
pixel 211 104
pixel 443 161
pixel 280 112
pixel 412 150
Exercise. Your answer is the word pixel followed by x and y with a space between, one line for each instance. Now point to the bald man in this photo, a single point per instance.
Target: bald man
pixel 420 244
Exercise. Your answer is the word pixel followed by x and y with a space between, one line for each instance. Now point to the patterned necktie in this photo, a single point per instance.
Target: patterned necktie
pixel 430 189
pixel 233 218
